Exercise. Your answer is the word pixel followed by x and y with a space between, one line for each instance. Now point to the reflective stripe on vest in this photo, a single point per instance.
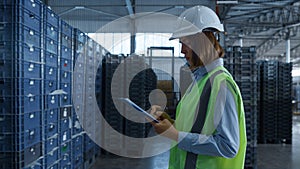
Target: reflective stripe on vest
pixel 191 158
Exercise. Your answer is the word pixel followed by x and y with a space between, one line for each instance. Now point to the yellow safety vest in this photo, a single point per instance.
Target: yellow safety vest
pixel 185 116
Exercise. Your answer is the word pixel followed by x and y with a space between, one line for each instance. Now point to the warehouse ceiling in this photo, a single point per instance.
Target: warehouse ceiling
pixel 266 24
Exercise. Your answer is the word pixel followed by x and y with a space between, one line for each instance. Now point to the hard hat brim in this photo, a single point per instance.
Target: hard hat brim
pixel 181 33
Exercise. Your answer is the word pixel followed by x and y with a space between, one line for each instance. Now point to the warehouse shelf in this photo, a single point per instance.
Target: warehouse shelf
pixel 36 62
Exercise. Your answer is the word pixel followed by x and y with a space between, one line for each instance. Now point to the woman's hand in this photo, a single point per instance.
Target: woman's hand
pixel 166 129
pixel 159 114
pixel 165 126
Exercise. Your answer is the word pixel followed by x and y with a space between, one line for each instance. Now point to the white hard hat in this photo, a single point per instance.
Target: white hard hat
pixel 195 20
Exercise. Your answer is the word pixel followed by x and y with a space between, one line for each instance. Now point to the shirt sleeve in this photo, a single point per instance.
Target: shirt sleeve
pixel 225 141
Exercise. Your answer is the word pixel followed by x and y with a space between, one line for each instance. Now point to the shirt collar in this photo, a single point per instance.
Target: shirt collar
pixel 202 70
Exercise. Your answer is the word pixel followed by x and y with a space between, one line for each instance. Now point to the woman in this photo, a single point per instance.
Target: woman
pixel 209 130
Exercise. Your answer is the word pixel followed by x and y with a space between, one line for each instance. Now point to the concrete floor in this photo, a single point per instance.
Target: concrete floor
pixel 281 156
pixel 270 156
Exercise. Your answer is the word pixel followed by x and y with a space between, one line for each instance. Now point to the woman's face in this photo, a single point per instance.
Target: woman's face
pixel 198 49
pixel 187 51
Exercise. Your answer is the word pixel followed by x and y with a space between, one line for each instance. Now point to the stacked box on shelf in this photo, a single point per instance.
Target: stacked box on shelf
pixel 65 86
pixel 259 86
pixel 236 57
pixel 51 111
pixel 65 76
pixel 76 125
pixel 263 106
pixel 248 87
pixel 244 70
pixel 98 52
pixel 109 111
pixel 240 62
pixel 77 142
pixel 132 74
pixel 50 48
pixel 151 84
pixel 231 62
pixel 78 92
pixel 136 84
pixel 90 105
pixel 51 138
pixel 36 61
pixel 88 150
pixel 65 70
pixel 251 157
pixel 134 126
pixel 228 59
pixel 284 119
pixel 89 94
pixel 79 46
pixel 282 99
pixel 78 79
pixel 93 94
pixel 65 136
pixel 65 139
pixel 21 80
pixel 66 62
pixel 77 151
pixel 269 102
pixel 98 151
pixel 38 164
pixel 66 155
pixel 89 158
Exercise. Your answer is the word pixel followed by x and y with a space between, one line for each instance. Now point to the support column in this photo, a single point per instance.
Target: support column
pixel 241 42
pixel 130 4
pixel 132 43
pixel 288 49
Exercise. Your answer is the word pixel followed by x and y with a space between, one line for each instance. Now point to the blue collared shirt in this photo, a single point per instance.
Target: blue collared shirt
pixel 225 141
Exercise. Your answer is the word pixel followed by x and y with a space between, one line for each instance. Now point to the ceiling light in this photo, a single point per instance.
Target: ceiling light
pixel 179 7
pixel 79 7
pixel 227 2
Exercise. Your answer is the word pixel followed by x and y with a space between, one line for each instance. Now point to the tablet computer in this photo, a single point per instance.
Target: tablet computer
pixel 138 108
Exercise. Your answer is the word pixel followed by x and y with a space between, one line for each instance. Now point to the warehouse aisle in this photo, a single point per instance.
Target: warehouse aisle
pixel 270 156
pixel 156 162
pixel 276 156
